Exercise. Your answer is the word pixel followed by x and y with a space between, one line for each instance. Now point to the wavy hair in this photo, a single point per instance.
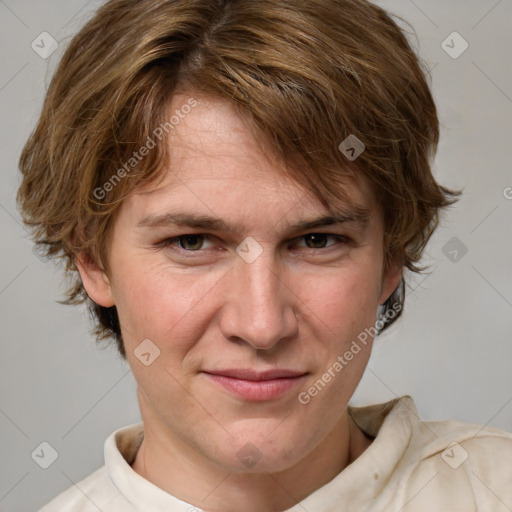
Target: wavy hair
pixel 304 75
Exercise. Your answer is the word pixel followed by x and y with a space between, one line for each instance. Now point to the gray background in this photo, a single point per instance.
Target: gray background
pixel 452 350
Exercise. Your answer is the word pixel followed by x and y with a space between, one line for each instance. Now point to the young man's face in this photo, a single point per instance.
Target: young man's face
pixel 288 301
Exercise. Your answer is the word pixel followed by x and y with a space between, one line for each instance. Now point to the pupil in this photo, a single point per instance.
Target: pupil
pixel 317 240
pixel 192 240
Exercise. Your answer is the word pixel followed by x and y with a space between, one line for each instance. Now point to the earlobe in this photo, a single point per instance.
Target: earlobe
pixel 95 281
pixel 390 282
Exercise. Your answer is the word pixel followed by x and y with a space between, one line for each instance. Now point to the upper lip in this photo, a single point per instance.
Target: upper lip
pixel 254 375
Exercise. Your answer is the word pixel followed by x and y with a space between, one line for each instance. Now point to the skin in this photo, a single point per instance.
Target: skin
pixel 298 306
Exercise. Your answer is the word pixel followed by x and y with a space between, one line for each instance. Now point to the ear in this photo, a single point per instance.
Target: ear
pixel 95 281
pixel 390 280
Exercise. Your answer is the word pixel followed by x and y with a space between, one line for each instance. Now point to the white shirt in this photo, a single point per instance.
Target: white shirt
pixel 409 467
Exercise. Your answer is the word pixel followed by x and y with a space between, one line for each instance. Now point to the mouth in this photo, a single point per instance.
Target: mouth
pixel 258 386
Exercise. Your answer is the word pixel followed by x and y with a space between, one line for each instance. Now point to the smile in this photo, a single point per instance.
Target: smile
pixel 257 386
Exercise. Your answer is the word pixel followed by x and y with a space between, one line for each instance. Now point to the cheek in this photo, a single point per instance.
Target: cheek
pixel 161 304
pixel 346 301
pixel 344 307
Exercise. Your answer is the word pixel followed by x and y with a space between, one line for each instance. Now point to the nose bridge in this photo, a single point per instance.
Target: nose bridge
pixel 259 307
pixel 264 283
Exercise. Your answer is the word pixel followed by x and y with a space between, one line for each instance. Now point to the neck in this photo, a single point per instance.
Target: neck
pixel 177 468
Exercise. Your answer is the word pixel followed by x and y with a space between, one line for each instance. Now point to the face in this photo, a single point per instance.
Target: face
pixel 245 306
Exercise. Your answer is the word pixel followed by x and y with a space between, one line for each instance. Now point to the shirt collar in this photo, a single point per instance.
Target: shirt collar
pixel 391 424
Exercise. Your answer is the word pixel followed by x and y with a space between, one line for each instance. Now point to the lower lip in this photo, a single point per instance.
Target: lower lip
pixel 259 391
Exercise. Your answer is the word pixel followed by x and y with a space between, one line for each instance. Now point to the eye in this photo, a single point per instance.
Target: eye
pixel 194 242
pixel 319 240
pixel 189 242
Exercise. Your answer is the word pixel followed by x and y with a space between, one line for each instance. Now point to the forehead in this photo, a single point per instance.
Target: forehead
pixel 218 166
pixel 213 137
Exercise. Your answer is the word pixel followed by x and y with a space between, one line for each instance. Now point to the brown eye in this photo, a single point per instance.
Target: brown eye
pixel 321 241
pixel 187 244
pixel 316 240
pixel 191 242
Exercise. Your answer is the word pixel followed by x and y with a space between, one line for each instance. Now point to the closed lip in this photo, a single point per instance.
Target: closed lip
pixel 255 375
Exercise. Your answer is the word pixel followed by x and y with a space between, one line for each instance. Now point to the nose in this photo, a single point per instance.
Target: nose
pixel 258 305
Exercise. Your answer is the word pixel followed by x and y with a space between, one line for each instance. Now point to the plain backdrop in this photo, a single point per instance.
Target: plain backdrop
pixel 451 351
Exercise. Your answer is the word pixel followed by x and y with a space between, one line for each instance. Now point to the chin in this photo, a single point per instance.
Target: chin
pixel 268 451
pixel 252 461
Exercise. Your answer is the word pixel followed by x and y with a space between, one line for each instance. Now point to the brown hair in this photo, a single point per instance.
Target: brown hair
pixel 304 75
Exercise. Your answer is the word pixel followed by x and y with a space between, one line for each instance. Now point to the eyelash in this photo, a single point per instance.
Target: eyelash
pixel 169 242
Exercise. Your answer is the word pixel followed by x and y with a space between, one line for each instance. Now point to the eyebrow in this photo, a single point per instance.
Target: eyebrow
pixel 191 220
